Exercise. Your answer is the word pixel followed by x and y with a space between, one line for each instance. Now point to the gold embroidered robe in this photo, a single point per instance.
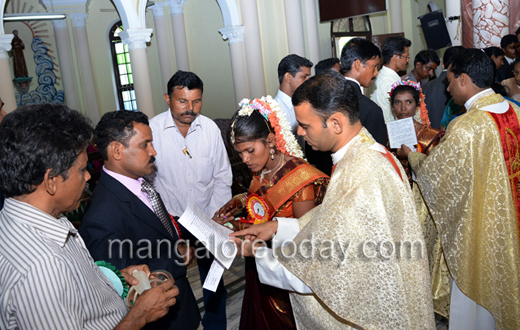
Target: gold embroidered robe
pixel 465 184
pixel 367 203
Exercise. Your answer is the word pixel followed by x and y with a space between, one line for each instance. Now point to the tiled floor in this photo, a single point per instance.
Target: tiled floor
pixel 234 283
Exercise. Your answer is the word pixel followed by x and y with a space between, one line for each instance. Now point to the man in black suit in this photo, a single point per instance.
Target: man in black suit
pixel 359 61
pixel 126 221
pixel 435 93
pixel 509 43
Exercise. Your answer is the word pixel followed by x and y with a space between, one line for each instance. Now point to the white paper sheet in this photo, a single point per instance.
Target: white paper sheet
pixel 402 132
pixel 214 236
pixel 215 273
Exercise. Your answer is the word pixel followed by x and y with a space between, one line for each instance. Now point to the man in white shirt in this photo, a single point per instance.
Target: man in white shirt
pixel 396 55
pixel 321 257
pixel 293 70
pixel 192 166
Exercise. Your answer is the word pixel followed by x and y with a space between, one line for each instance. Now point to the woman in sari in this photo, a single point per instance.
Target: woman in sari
pixel 406 98
pixel 283 185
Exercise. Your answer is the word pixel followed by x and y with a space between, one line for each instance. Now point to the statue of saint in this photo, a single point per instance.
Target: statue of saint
pixel 20 68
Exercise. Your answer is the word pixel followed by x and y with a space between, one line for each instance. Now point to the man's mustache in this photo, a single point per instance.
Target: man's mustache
pixel 189 113
pixel 152 160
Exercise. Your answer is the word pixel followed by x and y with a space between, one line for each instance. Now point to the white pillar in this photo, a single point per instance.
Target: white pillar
pixel 253 48
pixel 235 36
pixel 179 33
pixel 162 42
pixel 490 22
pixel 6 80
pixel 65 59
pixel 85 66
pixel 396 15
pixel 294 23
pixel 453 8
pixel 313 38
pixel 136 40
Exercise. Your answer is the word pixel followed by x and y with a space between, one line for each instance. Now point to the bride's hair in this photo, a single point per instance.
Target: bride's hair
pixel 250 128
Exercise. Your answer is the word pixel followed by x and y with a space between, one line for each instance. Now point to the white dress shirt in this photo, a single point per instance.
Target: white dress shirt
pixel 202 174
pixel 270 270
pixel 285 102
pixel 378 91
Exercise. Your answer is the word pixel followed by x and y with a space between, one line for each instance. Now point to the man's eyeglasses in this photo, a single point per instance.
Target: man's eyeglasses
pixel 405 56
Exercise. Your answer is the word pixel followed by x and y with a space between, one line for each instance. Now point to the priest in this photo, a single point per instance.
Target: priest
pixel 358 260
pixel 470 183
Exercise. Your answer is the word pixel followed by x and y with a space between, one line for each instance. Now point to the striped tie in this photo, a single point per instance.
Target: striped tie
pixel 154 199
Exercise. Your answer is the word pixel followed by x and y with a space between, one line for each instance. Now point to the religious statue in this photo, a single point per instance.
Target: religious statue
pixel 20 68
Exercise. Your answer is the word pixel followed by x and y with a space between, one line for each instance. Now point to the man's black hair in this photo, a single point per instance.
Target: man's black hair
pixel 507 40
pixel 425 57
pixel 37 138
pixel 476 64
pixel 117 126
pixel 292 64
pixel 394 46
pixel 328 93
pixel 448 54
pixel 326 64
pixel 358 49
pixel 185 79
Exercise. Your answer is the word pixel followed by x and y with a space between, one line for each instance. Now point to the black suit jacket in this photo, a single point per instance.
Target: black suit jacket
pixel 115 213
pixel 505 71
pixel 371 116
pixel 436 97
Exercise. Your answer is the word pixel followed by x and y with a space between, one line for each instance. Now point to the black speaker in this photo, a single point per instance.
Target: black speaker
pixel 434 30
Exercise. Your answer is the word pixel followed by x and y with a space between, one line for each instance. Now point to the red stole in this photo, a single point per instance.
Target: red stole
pixel 509 130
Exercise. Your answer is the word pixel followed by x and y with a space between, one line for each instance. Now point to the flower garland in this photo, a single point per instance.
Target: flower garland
pixel 423 112
pixel 271 111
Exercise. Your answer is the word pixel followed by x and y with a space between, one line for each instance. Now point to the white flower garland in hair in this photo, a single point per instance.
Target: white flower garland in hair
pixel 271 110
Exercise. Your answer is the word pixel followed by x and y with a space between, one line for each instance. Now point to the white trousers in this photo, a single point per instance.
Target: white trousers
pixel 465 314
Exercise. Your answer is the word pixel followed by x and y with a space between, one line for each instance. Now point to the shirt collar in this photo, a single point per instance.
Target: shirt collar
pixel 509 61
pixel 171 123
pixel 388 71
pixel 354 80
pixel 286 99
pixel 134 185
pixel 336 157
pixel 476 97
pixel 54 229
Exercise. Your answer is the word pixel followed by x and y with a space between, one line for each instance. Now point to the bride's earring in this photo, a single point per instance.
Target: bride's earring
pixel 272 152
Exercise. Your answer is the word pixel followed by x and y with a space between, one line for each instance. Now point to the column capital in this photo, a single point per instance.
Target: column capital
pixel 136 38
pixel 60 24
pixel 233 34
pixel 157 9
pixel 176 6
pixel 5 45
pixel 79 19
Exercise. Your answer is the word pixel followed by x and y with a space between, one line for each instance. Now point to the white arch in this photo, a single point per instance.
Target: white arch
pixel 2 6
pixel 230 12
pixel 128 13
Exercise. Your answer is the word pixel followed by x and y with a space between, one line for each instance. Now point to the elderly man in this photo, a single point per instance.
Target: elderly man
pixel 341 260
pixel 47 276
pixel 470 184
pixel 138 228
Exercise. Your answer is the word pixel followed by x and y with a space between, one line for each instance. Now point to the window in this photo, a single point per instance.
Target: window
pixel 122 69
pixel 343 30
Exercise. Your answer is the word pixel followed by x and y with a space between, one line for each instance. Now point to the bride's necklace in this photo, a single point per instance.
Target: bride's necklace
pixel 274 168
